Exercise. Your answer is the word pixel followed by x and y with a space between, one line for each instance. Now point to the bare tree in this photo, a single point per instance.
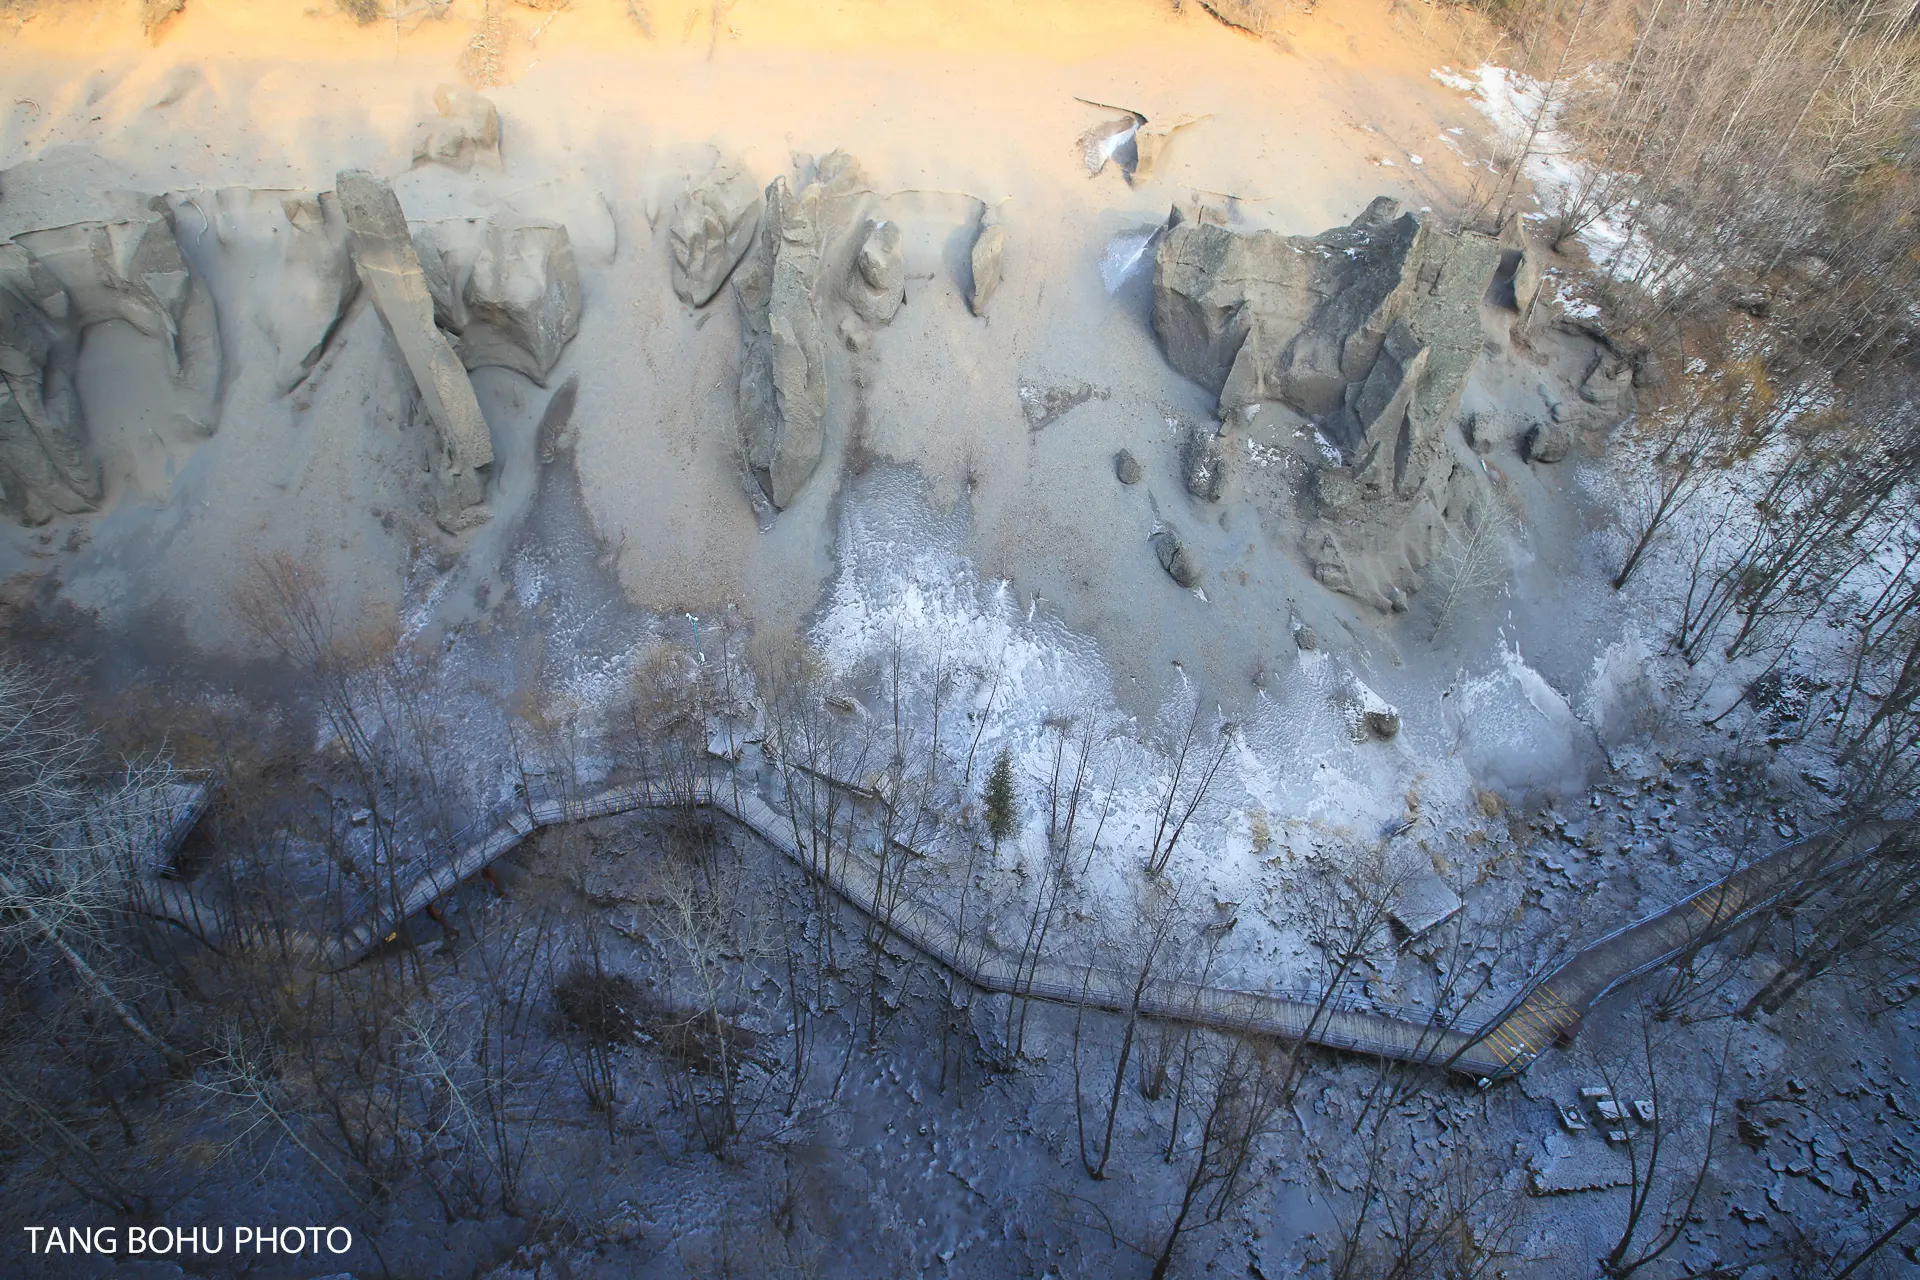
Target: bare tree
pixel 1661 1199
pixel 1155 932
pixel 1186 787
pixel 1470 561
pixel 1244 1097
pixel 71 857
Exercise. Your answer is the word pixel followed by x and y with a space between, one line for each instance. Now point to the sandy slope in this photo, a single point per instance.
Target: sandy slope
pixel 946 110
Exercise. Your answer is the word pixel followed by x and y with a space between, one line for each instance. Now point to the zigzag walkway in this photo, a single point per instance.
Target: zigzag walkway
pixel 1501 1046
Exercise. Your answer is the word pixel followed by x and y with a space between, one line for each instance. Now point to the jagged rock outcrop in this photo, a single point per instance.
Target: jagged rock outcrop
pixel 780 287
pixel 988 260
pixel 877 285
pixel 466 129
pixel 461 452
pixel 297 244
pixel 713 226
pixel 1370 330
pixel 509 293
pixel 54 285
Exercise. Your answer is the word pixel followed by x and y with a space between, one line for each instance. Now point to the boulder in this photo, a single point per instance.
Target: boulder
pixel 1203 467
pixel 1261 316
pixel 1383 723
pixel 461 451
pixel 1126 467
pixel 508 293
pixel 877 284
pixel 1546 442
pixel 47 466
pixel 712 228
pixel 522 300
pixel 1306 638
pixel 782 396
pixel 1479 429
pixel 1044 406
pixel 988 261
pixel 1523 265
pixel 465 129
pixel 1174 558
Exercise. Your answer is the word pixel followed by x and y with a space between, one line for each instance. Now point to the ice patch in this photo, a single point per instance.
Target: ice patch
pixel 1524 113
pixel 1519 735
pixel 1123 255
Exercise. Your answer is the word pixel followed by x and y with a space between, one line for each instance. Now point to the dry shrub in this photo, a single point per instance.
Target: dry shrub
pixel 604 1007
pixel 611 1009
pixel 666 692
pixel 364 12
pixel 702 1042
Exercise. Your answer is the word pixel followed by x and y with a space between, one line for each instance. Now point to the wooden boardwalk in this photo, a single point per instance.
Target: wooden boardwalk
pixel 1502 1046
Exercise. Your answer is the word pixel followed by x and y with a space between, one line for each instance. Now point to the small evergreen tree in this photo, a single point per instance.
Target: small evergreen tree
pixel 1003 817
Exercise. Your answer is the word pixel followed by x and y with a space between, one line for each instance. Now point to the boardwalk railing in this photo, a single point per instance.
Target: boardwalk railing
pixel 1502 1046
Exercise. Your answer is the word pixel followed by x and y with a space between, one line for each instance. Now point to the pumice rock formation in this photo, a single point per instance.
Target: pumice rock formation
pixel 988 261
pixel 298 242
pixel 467 129
pixel 780 288
pixel 47 465
pixel 713 226
pixel 54 285
pixel 509 294
pixel 1369 331
pixel 876 286
pixel 462 451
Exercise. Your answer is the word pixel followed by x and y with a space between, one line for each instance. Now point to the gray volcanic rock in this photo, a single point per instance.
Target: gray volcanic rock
pixel 466 129
pixel 55 284
pixel 1523 264
pixel 389 267
pixel 1547 442
pixel 1262 316
pixel 524 297
pixel 1126 467
pixel 1370 330
pixel 1609 385
pixel 47 465
pixel 301 245
pixel 1203 467
pixel 877 285
pixel 509 293
pixel 712 229
pixel 782 396
pixel 1174 558
pixel 126 270
pixel 988 261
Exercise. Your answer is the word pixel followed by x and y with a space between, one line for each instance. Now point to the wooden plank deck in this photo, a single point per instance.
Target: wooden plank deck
pixel 1501 1047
